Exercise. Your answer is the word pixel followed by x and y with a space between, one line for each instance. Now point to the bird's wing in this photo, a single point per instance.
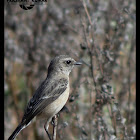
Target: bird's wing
pixel 45 94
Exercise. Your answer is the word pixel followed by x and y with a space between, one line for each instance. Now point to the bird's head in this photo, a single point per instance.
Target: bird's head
pixel 62 64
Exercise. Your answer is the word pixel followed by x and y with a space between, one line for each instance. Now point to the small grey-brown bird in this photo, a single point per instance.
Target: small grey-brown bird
pixel 51 95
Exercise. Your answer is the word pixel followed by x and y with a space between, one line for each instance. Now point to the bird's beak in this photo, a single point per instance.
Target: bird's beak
pixel 78 63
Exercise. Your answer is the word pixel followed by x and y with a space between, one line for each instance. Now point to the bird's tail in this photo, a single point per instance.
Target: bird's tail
pixel 16 132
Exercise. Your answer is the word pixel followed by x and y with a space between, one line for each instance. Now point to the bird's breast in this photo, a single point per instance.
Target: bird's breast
pixel 54 107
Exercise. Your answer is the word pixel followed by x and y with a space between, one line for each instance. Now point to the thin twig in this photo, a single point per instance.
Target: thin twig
pixel 129 78
pixel 85 7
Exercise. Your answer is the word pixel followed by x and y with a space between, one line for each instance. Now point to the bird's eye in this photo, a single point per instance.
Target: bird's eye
pixel 68 62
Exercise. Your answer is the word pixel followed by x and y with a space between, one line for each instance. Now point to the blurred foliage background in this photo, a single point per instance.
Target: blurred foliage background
pixel 100 33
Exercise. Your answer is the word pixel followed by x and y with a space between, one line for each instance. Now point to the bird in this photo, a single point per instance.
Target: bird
pixel 51 96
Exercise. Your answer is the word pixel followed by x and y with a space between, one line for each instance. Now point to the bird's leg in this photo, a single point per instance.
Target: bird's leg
pixel 54 123
pixel 46 129
pixel 54 119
